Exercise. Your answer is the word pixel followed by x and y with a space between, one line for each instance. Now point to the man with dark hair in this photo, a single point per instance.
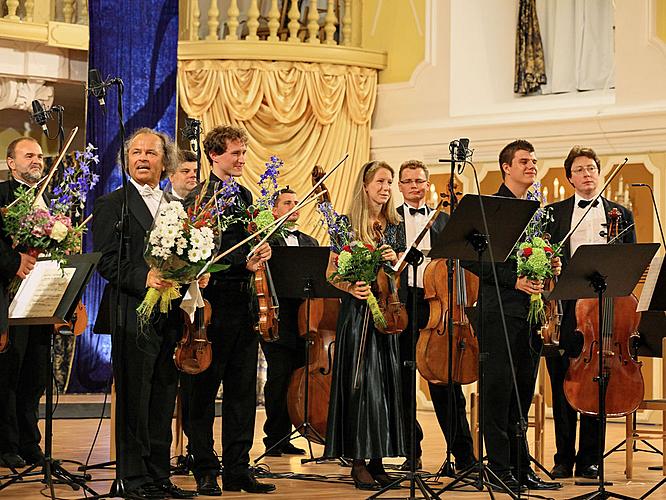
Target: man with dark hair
pixel 184 179
pixel 583 169
pixel 286 354
pixel 23 365
pixel 234 340
pixel 414 185
pixel 145 376
pixel 506 454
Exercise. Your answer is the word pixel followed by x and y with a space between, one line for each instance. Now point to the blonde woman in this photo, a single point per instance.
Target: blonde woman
pixel 364 421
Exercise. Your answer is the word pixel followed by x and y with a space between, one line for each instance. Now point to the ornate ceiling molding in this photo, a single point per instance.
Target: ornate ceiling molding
pixel 19 94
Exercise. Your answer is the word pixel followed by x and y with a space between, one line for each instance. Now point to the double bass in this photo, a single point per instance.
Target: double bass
pixel 319 333
pixel 612 341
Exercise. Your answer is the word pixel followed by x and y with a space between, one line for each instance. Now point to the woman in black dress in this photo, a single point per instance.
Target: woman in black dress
pixel 364 422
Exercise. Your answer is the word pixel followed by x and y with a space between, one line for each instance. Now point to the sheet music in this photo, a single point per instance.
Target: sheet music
pixel 650 283
pixel 41 292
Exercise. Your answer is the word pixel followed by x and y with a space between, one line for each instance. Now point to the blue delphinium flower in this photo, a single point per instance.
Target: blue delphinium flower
pixel 268 184
pixel 78 179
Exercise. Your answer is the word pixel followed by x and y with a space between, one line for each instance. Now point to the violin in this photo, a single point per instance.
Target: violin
pixel 387 284
pixel 4 341
pixel 194 353
pixel 612 341
pixel 77 325
pixel 269 307
pixel 550 330
pixel 432 347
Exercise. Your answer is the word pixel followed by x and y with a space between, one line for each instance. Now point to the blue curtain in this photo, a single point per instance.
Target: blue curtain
pixel 136 41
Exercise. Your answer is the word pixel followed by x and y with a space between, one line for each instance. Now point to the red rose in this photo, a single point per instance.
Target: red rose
pixel 370 247
pixel 527 252
pixel 346 248
pixel 252 227
pixel 547 249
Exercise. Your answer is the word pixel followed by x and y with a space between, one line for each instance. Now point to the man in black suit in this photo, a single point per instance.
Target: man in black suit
pixel 23 365
pixel 414 186
pixel 582 167
pixel 286 354
pixel 144 373
pixel 506 454
pixel 235 342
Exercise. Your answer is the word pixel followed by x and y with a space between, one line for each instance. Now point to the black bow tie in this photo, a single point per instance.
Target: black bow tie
pixel 414 211
pixel 295 232
pixel 585 203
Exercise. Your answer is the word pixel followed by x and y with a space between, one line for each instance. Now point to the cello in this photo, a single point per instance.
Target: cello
pixel 319 333
pixel 611 341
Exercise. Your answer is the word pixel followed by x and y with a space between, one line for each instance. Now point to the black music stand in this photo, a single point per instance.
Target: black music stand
pixel 300 273
pixel 53 471
pixel 603 271
pixel 465 237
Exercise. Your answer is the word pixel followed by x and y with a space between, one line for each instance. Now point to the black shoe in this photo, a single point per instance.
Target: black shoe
pixel 379 475
pixel 273 452
pixel 148 491
pixel 207 486
pixel 245 482
pixel 12 460
pixel 407 464
pixel 561 471
pixel 173 491
pixel 363 485
pixel 33 457
pixel 533 482
pixel 290 449
pixel 589 472
pixel 509 481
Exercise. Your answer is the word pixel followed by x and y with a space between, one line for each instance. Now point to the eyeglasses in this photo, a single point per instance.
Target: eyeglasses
pixel 418 182
pixel 588 170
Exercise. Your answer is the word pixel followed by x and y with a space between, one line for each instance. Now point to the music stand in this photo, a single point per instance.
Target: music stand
pixel 84 266
pixel 300 272
pixel 603 271
pixel 464 237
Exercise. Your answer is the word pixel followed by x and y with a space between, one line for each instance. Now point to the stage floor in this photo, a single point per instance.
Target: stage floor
pixel 72 441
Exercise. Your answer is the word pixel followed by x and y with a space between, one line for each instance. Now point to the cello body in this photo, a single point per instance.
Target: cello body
pixel 320 334
pixel 432 348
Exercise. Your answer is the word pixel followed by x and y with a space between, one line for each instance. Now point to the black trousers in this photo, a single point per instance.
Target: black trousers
pixel 282 361
pixel 566 420
pixel 457 435
pixel 22 383
pixel 501 415
pixel 146 382
pixel 235 347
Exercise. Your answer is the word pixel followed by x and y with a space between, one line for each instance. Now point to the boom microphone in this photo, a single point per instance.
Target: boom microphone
pixel 40 116
pixel 96 87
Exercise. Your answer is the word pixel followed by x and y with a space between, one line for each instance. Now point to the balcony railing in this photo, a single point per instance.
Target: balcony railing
pixel 58 23
pixel 317 31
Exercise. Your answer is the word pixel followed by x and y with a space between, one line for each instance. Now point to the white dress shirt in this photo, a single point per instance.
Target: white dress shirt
pixel 151 196
pixel 589 230
pixel 291 239
pixel 39 202
pixel 413 226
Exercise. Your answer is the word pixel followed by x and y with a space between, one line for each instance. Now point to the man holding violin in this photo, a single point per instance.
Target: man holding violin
pixel 414 186
pixel 506 454
pixel 284 355
pixel 234 340
pixel 582 168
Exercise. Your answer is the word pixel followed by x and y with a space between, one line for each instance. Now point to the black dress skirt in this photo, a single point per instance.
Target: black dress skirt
pixel 365 422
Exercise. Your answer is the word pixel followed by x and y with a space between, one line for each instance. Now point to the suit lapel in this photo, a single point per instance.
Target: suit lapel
pixel 138 208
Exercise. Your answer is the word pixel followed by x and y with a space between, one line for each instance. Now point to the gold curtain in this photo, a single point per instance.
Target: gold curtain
pixel 306 113
pixel 530 61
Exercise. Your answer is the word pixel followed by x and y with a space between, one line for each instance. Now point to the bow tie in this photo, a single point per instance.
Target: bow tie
pixel 147 192
pixel 585 203
pixel 295 232
pixel 414 211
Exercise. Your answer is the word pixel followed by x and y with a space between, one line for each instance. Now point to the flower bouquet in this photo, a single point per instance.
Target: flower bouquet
pixel 356 261
pixel 182 242
pixel 37 230
pixel 534 254
pixel 259 215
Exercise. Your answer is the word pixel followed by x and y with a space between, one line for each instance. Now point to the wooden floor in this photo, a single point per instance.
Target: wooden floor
pixel 72 441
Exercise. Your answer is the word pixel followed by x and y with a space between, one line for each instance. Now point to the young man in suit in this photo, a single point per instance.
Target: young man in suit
pixel 235 342
pixel 23 365
pixel 286 354
pixel 414 185
pixel 583 168
pixel 145 376
pixel 506 454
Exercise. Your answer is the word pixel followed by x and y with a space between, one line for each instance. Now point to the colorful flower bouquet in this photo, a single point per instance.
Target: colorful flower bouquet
pixel 182 242
pixel 38 230
pixel 535 253
pixel 356 261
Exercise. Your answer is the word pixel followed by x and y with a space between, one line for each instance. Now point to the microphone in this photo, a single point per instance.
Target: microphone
pixel 191 132
pixel 654 205
pixel 96 87
pixel 40 116
pixel 461 152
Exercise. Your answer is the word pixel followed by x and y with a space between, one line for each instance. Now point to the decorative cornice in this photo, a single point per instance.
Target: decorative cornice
pixel 19 94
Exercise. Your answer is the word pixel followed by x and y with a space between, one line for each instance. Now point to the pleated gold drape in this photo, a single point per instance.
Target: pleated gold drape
pixel 306 113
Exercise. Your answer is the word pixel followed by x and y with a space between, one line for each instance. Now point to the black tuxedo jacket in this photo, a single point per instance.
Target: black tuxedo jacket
pixel 288 331
pixel 436 228
pixel 133 267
